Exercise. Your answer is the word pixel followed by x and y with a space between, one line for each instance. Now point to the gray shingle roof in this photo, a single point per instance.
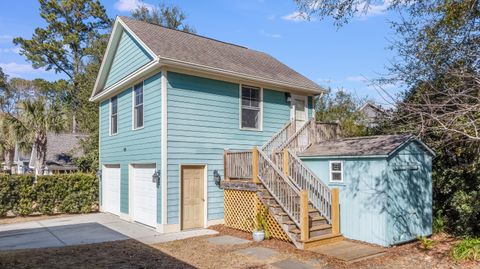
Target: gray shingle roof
pixel 359 146
pixel 192 48
pixel 62 147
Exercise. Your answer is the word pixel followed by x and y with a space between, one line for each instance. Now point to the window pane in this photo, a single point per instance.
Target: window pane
pixel 114 124
pixel 336 176
pixel 139 116
pixel 336 166
pixel 250 118
pixel 250 96
pixel 138 94
pixel 113 102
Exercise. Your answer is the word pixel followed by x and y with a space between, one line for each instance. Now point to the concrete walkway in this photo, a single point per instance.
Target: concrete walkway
pixel 83 229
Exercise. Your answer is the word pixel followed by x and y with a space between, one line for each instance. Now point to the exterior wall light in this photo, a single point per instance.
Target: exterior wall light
pixel 217 178
pixel 156 176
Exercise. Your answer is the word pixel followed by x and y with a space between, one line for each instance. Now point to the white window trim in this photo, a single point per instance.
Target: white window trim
pixel 133 105
pixel 110 116
pixel 260 124
pixel 330 171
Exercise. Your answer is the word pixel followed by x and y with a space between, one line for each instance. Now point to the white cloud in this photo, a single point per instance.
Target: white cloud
pixel 374 9
pixel 357 78
pixel 16 69
pixel 5 38
pixel 129 5
pixel 272 35
pixel 296 16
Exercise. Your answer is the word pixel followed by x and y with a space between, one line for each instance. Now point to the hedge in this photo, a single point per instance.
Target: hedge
pixel 52 194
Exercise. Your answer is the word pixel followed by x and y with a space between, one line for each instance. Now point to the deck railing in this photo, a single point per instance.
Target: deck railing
pixel 279 138
pixel 280 187
pixel 304 179
pixel 238 164
pixel 302 139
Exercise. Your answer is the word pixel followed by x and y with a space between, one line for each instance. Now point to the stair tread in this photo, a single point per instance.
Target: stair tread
pixel 321 237
pixel 320 227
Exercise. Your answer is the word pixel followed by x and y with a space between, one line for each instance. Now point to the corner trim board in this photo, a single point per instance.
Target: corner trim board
pixel 164 145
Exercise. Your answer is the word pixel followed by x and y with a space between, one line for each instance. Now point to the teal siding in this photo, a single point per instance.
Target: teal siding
pixel 379 204
pixel 129 56
pixel 203 120
pixel 129 146
pixel 409 192
pixel 362 197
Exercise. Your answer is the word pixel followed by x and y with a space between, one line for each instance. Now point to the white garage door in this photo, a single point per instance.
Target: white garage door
pixel 144 194
pixel 111 189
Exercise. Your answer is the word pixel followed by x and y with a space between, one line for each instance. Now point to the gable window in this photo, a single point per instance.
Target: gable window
pixel 251 101
pixel 336 171
pixel 113 115
pixel 138 106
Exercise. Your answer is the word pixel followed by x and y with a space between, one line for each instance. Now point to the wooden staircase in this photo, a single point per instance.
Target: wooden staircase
pixel 306 209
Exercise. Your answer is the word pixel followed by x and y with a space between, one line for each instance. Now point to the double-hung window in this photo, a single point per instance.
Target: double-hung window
pixel 251 113
pixel 138 106
pixel 113 115
pixel 336 171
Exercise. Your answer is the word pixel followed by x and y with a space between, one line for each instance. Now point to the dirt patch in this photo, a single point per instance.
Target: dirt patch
pixel 118 254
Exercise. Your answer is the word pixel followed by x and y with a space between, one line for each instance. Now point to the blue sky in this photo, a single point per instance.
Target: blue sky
pixel 339 58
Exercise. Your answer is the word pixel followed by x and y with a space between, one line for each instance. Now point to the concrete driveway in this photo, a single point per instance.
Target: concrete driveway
pixel 82 229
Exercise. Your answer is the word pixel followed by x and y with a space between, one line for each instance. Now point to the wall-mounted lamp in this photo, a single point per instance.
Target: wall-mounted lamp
pixel 288 97
pixel 217 178
pixel 99 174
pixel 156 176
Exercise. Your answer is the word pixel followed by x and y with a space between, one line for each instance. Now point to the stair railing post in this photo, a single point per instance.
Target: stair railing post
pixel 285 162
pixel 304 223
pixel 255 165
pixel 335 211
pixel 225 164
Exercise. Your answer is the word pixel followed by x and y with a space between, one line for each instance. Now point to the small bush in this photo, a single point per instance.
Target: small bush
pixel 426 243
pixel 439 223
pixel 467 249
pixel 62 193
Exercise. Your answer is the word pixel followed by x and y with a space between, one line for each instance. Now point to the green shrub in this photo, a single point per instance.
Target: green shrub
pixel 426 243
pixel 439 223
pixel 467 249
pixel 62 193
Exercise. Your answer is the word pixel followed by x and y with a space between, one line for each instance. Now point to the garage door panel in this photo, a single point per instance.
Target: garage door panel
pixel 111 189
pixel 145 194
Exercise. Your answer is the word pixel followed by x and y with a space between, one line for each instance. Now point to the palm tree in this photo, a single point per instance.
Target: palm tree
pixel 7 143
pixel 35 119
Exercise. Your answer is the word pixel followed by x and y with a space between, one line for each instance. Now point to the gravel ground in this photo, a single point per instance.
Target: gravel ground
pixel 199 253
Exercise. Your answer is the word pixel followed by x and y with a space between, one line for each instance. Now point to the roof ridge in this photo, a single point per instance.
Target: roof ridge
pixel 193 34
pixel 372 136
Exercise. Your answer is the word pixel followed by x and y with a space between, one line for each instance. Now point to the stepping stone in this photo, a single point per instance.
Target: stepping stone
pixel 227 240
pixel 259 253
pixel 349 251
pixel 292 264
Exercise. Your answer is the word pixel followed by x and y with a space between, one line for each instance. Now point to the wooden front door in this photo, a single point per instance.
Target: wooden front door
pixel 193 196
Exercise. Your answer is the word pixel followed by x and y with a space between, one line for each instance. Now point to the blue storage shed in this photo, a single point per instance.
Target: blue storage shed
pixel 385 185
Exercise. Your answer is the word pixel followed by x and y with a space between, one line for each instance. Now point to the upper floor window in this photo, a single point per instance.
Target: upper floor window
pixel 250 116
pixel 113 115
pixel 138 106
pixel 336 171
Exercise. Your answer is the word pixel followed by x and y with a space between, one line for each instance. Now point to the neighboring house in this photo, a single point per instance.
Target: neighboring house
pixel 61 149
pixel 373 114
pixel 21 160
pixel 385 185
pixel 193 130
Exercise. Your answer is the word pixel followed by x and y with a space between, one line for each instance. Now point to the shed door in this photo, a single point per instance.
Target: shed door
pixel 192 196
pixel 144 194
pixel 111 188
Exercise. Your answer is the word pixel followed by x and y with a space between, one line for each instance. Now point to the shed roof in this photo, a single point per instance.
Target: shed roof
pixel 361 146
pixel 199 50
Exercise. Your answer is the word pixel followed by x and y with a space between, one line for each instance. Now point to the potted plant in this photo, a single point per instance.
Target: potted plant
pixel 259 226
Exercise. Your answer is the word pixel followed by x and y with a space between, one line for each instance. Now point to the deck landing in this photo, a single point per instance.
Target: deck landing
pixel 349 251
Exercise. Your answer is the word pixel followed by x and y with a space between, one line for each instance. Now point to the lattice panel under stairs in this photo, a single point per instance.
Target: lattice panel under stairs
pixel 241 205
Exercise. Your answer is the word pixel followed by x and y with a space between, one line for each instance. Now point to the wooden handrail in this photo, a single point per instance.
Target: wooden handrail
pixel 302 138
pixel 285 193
pixel 318 192
pixel 279 138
